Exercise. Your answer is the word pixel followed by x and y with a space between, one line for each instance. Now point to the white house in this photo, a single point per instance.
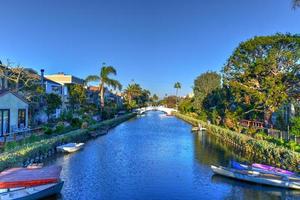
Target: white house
pixel 13 112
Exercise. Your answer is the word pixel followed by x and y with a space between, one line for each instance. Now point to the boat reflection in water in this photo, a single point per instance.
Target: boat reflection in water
pixel 237 185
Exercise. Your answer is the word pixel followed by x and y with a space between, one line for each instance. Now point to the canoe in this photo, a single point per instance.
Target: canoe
pixel 26 177
pixel 70 147
pixel 257 177
pixel 258 166
pixel 264 169
pixel 33 193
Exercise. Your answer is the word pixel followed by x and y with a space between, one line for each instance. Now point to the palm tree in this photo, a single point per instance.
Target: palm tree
pixel 177 86
pixel 104 80
pixel 296 3
pixel 132 91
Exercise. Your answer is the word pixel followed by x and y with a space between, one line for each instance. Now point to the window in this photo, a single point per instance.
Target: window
pixel 21 118
pixel 4 121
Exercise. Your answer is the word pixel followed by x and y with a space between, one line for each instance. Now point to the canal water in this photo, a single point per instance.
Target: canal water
pixel 155 157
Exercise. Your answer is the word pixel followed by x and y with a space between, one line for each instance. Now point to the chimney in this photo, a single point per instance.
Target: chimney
pixel 42 77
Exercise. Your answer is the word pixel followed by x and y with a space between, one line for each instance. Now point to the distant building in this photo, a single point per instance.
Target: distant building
pixel 13 112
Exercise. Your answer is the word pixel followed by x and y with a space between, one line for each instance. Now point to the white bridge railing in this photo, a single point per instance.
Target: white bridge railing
pixel 159 108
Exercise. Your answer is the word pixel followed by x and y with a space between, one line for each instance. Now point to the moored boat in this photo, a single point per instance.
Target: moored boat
pixel 257 166
pixel 70 147
pixel 30 183
pixel 32 193
pixel 257 177
pixel 264 169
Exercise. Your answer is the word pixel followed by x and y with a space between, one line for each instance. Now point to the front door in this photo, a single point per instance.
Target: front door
pixel 4 121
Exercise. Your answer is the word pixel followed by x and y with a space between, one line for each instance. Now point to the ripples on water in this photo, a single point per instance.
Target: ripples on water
pixel 155 157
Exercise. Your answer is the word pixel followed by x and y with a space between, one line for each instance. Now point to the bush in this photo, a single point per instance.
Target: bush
pixel 48 130
pixel 60 127
pixel 66 116
pixel 76 122
pixel 10 145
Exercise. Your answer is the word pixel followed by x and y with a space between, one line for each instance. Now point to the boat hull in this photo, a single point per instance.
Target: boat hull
pixel 70 149
pixel 33 193
pixel 255 178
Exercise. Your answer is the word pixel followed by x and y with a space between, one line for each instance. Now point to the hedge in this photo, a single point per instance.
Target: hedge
pixel 262 151
pixel 19 155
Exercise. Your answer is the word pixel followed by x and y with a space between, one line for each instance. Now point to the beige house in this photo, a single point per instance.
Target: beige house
pixel 65 80
pixel 13 112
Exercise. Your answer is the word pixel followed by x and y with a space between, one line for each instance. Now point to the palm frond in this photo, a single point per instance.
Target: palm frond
pixel 107 70
pixel 114 84
pixel 296 4
pixel 92 78
pixel 177 85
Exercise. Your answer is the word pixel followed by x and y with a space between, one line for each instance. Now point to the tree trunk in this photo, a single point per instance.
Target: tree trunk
pixel 101 87
pixel 267 118
pixel 176 98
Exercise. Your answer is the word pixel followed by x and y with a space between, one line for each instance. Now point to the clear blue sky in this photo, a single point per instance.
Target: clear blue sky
pixel 154 42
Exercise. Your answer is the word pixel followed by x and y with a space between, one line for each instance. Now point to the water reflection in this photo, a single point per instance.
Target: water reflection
pixel 155 157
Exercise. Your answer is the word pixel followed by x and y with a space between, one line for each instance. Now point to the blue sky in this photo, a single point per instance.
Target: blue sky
pixel 153 42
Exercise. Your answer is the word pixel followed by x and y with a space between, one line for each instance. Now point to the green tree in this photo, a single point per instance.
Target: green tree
pixel 104 80
pixel 133 92
pixel 263 72
pixel 203 86
pixel 186 105
pixel 53 102
pixel 177 86
pixel 154 99
pixel 295 129
pixel 169 101
pixel 77 95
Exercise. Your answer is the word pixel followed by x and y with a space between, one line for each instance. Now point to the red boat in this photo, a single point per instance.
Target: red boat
pixel 28 177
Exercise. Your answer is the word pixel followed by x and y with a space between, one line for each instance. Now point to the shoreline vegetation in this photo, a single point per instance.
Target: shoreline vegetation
pixel 40 150
pixel 261 150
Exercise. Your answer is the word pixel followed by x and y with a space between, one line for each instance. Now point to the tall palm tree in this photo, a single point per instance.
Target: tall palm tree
pixel 296 4
pixel 132 91
pixel 104 80
pixel 177 86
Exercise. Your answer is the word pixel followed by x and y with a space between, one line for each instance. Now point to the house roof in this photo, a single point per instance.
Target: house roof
pixel 51 81
pixel 94 88
pixel 4 92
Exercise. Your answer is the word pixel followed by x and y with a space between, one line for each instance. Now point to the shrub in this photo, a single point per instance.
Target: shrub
pixel 76 122
pixel 48 130
pixel 59 127
pixel 10 145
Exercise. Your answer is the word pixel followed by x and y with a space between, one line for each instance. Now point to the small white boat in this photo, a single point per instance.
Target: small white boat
pixel 198 128
pixel 70 147
pixel 257 177
pixel 32 193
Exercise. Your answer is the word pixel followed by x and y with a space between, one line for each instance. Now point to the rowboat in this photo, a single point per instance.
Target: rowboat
pixel 70 147
pixel 30 183
pixel 257 177
pixel 32 193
